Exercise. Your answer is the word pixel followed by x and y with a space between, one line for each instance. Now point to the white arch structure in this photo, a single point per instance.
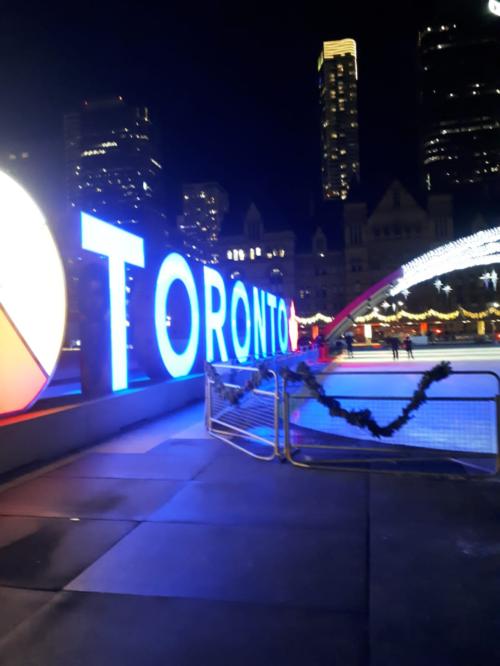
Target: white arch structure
pixel 480 249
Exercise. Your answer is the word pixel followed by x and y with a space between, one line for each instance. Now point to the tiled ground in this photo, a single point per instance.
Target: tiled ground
pixel 165 547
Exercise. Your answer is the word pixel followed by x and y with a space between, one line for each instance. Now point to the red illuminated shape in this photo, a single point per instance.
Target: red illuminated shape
pixel 293 328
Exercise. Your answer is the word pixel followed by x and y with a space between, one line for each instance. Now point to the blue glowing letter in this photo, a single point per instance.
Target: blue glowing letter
pixel 271 301
pixel 214 321
pixel 175 267
pixel 259 322
pixel 240 293
pixel 282 326
pixel 121 247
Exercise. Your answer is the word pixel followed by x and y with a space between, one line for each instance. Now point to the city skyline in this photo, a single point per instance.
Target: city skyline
pixel 234 95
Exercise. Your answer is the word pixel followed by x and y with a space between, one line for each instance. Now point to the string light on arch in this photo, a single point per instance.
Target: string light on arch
pixel 494 279
pixel 447 289
pixel 485 277
pixel 488 277
pixel 480 249
pixel 422 316
pixel 309 321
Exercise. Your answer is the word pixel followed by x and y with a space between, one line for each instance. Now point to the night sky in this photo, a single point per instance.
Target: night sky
pixel 231 86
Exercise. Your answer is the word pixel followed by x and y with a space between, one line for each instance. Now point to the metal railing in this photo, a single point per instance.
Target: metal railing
pixel 282 419
pixel 252 424
pixel 448 427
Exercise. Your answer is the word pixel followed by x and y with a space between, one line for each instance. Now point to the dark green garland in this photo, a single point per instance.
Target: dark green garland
pixel 363 418
pixel 234 395
pixel 360 418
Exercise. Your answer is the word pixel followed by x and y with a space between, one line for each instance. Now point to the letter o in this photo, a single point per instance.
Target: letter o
pixel 240 294
pixel 175 267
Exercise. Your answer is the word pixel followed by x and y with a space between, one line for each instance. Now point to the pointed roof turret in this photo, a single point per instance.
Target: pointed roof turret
pixel 254 226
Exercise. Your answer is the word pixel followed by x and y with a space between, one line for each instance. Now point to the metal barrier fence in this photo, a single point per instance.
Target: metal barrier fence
pixel 251 425
pixel 445 426
pixel 282 419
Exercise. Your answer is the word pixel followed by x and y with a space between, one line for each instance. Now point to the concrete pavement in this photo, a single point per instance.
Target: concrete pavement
pixel 162 546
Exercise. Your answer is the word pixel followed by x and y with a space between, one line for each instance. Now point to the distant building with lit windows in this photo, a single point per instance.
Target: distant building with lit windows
pixel 269 260
pixel 383 233
pixel 203 208
pixel 338 90
pixel 263 258
pixel 319 278
pixel 460 96
pixel 112 165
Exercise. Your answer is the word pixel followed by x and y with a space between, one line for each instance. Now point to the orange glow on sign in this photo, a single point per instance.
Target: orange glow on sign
pixel 20 375
pixel 32 299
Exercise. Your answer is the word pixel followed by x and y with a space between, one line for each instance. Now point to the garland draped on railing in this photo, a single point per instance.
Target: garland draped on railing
pixel 232 394
pixel 363 418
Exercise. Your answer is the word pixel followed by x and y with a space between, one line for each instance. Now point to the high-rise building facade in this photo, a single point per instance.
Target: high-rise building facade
pixel 319 278
pixel 112 165
pixel 338 87
pixel 460 95
pixel 203 208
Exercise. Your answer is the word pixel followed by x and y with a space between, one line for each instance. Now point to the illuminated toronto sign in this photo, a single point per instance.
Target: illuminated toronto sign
pixel 32 299
pixel 219 321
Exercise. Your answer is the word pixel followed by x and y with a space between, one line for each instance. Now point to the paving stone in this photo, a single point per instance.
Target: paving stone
pixel 122 499
pixel 46 553
pixel 179 463
pixel 322 568
pixel 207 445
pixel 17 605
pixel 409 498
pixel 328 501
pixel 434 590
pixel 232 464
pixel 140 439
pixel 101 629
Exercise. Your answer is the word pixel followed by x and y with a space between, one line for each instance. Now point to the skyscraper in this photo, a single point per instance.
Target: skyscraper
pixel 203 208
pixel 460 89
pixel 112 163
pixel 338 86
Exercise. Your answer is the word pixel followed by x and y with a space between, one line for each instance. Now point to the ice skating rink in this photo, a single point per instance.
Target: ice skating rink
pixel 464 422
